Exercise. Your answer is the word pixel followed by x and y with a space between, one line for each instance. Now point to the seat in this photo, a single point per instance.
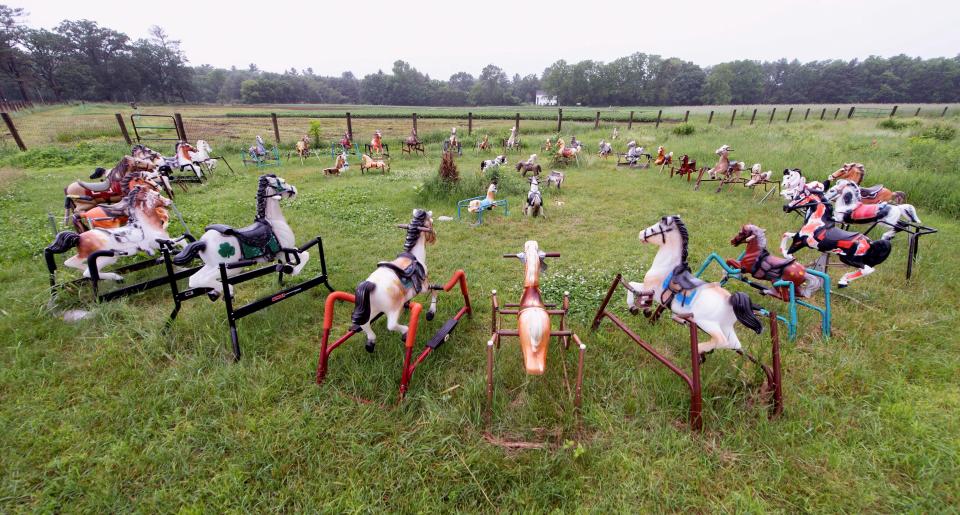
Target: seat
pixel 98 186
pixel 872 191
pixel 834 234
pixel 256 240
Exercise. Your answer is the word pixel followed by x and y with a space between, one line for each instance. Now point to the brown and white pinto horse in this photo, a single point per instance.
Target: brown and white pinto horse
pixel 874 194
pixel 663 159
pixel 759 263
pixel 112 216
pixel 79 196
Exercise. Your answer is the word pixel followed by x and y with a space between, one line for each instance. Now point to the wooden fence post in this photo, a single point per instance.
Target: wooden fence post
pixel 789 113
pixel 659 114
pixel 944 113
pixel 686 116
pixel 894 111
pixel 123 129
pixel 13 130
pixel 807 115
pixel 559 118
pixel 414 117
pixel 850 114
pixel 596 121
pixel 349 127
pixel 753 116
pixel 710 120
pixel 734 116
pixel 180 128
pixel 516 123
pixel 276 129
pixel 836 114
pixel 469 123
pixel 822 113
pixel 630 122
pixel 917 113
pixel 772 114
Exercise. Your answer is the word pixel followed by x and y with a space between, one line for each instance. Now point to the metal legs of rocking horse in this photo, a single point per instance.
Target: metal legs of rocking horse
pixel 692 379
pixel 409 363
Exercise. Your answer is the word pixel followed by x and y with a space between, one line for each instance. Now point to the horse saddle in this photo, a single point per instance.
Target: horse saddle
pixel 256 240
pixel 769 266
pixel 868 212
pixel 682 285
pixel 534 198
pixel 871 192
pixel 834 235
pixel 99 186
pixel 410 277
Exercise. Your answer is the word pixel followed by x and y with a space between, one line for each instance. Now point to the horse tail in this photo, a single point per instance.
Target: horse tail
pixel 743 309
pixel 361 310
pixel 879 250
pixel 189 253
pixel 68 202
pixel 63 242
pixel 98 173
pixel 899 197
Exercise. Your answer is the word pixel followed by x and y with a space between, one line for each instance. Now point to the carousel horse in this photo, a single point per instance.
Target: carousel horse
pixel 484 144
pixel 452 143
pixel 367 163
pixel 112 216
pixel 394 283
pixel 761 264
pixel 488 203
pixel 575 143
pixel 874 194
pixel 145 229
pixel 530 165
pixel 493 163
pixel 663 159
pixel 269 238
pixel 339 166
pixel 80 196
pixel 555 177
pixel 820 233
pixel 534 205
pixel 670 281
pixel 605 149
pixel 849 209
pixel 201 154
pixel 376 144
pixel 724 168
pixel 565 152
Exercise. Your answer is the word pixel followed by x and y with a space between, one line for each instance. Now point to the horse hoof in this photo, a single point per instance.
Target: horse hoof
pixel 430 315
pixel 403 338
pixel 213 296
pixel 370 345
pixel 842 285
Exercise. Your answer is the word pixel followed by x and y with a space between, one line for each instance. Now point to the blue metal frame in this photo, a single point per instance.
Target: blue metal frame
pixel 355 150
pixel 466 202
pixel 264 161
pixel 825 312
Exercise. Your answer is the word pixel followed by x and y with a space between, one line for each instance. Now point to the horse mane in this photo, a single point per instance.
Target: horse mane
pixel 261 196
pixel 126 179
pixel 413 229
pixel 759 234
pixel 685 239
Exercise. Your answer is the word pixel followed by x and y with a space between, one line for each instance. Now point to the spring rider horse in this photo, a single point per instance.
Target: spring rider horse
pixel 605 149
pixel 338 166
pixel 259 156
pixel 112 216
pixel 533 323
pixel 483 144
pixel 724 172
pixel 820 233
pixel 390 289
pixel 377 147
pixel 452 143
pixel 791 282
pixel 634 157
pixel 874 194
pixel 694 303
pixel 687 168
pixel 412 144
pixel 564 154
pixel 369 163
pixel 80 196
pixel 534 206
pixel 513 142
pixel 483 203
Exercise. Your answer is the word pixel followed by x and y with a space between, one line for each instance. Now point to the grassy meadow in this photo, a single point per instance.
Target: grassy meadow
pixel 114 414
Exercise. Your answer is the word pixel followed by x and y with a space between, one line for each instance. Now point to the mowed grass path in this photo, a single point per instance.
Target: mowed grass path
pixel 113 414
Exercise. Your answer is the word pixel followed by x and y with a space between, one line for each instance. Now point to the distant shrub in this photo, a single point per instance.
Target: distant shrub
pixel 315 130
pixel 448 168
pixel 898 125
pixel 86 134
pixel 938 132
pixel 684 129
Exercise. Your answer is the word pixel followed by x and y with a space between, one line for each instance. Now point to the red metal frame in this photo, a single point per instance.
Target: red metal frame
pixel 772 373
pixel 409 364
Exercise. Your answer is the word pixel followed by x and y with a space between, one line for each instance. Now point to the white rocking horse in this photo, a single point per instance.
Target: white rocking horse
pixel 850 209
pixel 794 181
pixel 534 205
pixel 670 281
pixel 268 238
pixel 147 223
pixel 201 156
pixel 393 283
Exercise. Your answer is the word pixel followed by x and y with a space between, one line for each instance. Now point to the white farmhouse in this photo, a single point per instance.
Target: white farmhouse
pixel 543 99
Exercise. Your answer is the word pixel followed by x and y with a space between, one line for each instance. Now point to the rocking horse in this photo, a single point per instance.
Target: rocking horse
pixel 533 323
pixel 530 165
pixel 344 145
pixel 874 194
pixel 604 149
pixel 694 303
pixel 377 147
pixel 564 154
pixel 547 146
pixel 185 161
pixel 760 178
pixel 201 156
pixel 483 203
pixel 483 144
pixel 556 178
pixel 302 149
pixel 259 156
pixel 145 231
pixel 388 290
pixel 850 209
pixel 819 233
pixel 412 144
pixel 663 159
pixel 226 250
pixel 496 162
pixel 112 216
pixel 793 182
pixel 369 163
pixel 452 143
pixel 724 171
pixel 634 157
pixel 534 205
pixel 791 282
pixel 339 166
pixel 513 142
pixel 80 196
pixel 687 168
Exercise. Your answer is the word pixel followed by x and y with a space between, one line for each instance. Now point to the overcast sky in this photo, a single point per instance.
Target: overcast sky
pixel 444 37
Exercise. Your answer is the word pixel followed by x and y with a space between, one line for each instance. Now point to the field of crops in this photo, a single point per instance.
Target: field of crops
pixel 115 413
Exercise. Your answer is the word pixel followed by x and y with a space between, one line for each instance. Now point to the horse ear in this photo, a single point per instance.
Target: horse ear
pixel 414 212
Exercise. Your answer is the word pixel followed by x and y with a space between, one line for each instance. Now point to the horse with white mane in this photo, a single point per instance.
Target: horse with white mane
pixel 850 209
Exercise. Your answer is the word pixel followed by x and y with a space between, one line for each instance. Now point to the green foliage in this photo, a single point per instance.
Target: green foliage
pixel 84 153
pixel 893 124
pixel 315 130
pixel 80 135
pixel 939 132
pixel 684 129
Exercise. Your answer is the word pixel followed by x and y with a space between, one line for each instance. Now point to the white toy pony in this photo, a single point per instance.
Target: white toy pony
pixel 146 225
pixel 670 281
pixel 513 141
pixel 758 176
pixel 605 149
pixel 850 209
pixel 201 155
pixel 393 283
pixel 534 205
pixel 268 238
pixel 794 181
pixel 496 162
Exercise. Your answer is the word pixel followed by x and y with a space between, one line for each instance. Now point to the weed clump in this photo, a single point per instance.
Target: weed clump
pixel 684 129
pixel 938 132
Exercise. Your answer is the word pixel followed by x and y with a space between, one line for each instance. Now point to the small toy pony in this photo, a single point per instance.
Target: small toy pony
pixel 496 162
pixel 633 155
pixel 376 144
pixel 724 169
pixel 534 205
pixel 269 237
pixel 663 159
pixel 201 155
pixel 605 149
pixel 367 163
pixel 340 165
pixel 547 145
pixel 758 262
pixel 874 194
pixel 566 154
pixel 850 209
pixel 483 144
pixel 793 182
pixel 258 150
pixel 758 176
pixel 489 202
pixel 616 134
pixel 555 177
pixel 530 165
pixel 303 148
pixel 513 142
pixel 687 167
pixel 345 144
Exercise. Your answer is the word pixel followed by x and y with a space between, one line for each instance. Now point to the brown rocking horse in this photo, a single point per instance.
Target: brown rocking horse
pixel 412 144
pixel 112 216
pixel 759 263
pixel 80 196
pixel 872 195
pixel 687 167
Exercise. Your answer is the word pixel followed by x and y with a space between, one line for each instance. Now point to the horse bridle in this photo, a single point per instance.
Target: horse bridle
pixel 663 233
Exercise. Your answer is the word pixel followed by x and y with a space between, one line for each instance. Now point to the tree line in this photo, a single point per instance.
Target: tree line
pixel 81 60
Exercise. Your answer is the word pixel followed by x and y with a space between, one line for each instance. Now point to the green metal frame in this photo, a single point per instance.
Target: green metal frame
pixel 466 202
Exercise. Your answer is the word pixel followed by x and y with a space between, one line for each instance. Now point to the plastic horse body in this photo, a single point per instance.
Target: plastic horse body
pixel 663 159
pixel 533 320
pixel 670 281
pixel 258 150
pixel 268 238
pixel 488 203
pixel 367 163
pixel 758 176
pixel 513 142
pixel 874 194
pixel 605 149
pixel 759 263
pixel 146 227
pixel 819 233
pixel 850 209
pixel 112 216
pixel 376 144
pixel 724 168
pixel 339 165
pixel 530 165
pixel 79 196
pixel 534 205
pixel 396 282
pixel 484 144
pixel 303 148
pixel 201 154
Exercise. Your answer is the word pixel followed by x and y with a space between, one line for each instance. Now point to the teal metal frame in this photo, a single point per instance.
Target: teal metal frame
pixel 271 158
pixel 825 312
pixel 355 149
pixel 466 202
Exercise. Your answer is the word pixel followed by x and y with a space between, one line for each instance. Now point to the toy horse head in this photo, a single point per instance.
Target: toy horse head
pixel 724 150
pixel 420 225
pixel 669 230
pixel 149 207
pixel 272 187
pixel 807 196
pixel 852 171
pixel 748 233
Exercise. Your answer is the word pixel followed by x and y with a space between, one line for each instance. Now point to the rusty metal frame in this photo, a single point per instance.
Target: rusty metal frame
pixel 693 379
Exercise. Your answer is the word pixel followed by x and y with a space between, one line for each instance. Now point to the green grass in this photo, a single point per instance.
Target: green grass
pixel 114 414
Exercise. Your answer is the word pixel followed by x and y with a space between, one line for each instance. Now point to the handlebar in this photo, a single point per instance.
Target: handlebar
pixel 545 254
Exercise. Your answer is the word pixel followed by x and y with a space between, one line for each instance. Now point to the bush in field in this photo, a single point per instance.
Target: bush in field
pixel 471 184
pixel 315 130
pixel 448 168
pixel 684 129
pixel 898 125
pixel 938 132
